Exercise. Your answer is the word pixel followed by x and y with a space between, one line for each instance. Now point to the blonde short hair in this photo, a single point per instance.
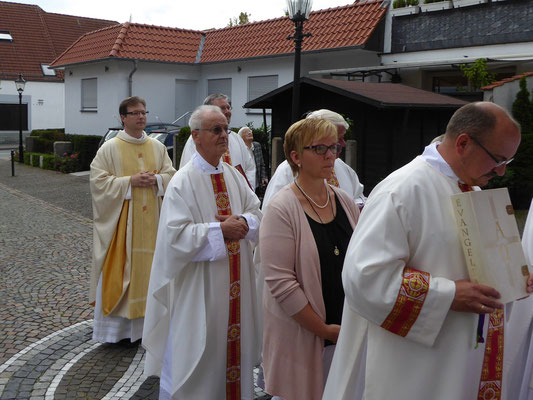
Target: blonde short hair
pixel 305 132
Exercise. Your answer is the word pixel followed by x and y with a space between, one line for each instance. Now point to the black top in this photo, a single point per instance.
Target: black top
pixel 332 241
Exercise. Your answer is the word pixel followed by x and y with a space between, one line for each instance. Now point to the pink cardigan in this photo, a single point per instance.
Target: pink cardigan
pixel 292 355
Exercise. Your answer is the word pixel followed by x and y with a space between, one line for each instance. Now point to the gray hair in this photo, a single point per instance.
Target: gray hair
pixel 331 116
pixel 195 122
pixel 243 129
pixel 209 100
pixel 476 120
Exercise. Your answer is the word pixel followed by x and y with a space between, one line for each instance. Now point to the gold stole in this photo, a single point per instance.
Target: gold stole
pixel 233 349
pixel 333 179
pixel 490 383
pixel 124 287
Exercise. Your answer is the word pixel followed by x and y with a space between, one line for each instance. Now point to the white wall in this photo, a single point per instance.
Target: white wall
pixel 505 95
pixel 156 82
pixel 46 102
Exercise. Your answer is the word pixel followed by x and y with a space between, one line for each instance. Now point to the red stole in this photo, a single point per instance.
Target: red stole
pixel 233 358
pixel 490 383
pixel 227 159
pixel 333 181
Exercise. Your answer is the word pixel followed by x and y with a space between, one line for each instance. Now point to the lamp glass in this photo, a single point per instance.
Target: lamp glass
pixel 20 83
pixel 299 8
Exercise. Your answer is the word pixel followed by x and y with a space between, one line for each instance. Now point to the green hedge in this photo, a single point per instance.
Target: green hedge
pixel 27 158
pixel 49 161
pixel 50 134
pixel 42 145
pixel 86 146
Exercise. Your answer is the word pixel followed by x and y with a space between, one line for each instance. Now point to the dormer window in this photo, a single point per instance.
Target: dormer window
pixel 47 71
pixel 6 35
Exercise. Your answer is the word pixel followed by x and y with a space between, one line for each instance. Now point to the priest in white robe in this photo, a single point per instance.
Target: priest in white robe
pixel 405 272
pixel 521 330
pixel 343 175
pixel 237 154
pixel 201 328
pixel 129 175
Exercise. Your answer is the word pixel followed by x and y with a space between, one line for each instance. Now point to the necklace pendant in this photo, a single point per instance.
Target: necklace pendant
pixel 336 251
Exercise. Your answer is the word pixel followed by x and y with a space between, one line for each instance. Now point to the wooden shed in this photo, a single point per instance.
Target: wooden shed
pixel 393 122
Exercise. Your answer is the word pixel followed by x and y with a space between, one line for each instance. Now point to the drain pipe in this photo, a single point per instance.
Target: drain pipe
pixel 130 78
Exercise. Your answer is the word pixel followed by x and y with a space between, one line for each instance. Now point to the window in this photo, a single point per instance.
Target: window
pixel 219 86
pixel 9 117
pixel 260 85
pixel 47 71
pixel 88 94
pixel 6 35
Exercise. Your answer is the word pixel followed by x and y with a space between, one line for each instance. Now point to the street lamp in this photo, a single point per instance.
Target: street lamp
pixel 299 11
pixel 20 83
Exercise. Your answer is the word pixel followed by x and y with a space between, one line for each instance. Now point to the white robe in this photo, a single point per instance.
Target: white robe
pixel 186 319
pixel 348 181
pixel 238 151
pixel 407 221
pixel 521 331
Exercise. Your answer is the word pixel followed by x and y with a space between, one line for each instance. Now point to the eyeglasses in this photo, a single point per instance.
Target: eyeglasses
pixel 217 130
pixel 226 108
pixel 137 113
pixel 322 149
pixel 499 163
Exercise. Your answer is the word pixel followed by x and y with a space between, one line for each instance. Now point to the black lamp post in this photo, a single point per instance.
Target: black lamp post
pixel 20 83
pixel 299 11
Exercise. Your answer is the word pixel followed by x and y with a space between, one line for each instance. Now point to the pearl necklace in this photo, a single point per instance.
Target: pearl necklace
pixel 309 197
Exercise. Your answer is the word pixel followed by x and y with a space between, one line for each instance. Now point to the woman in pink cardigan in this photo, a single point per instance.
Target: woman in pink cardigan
pixel 303 239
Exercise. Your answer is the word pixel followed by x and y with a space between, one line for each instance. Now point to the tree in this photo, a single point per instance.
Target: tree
pixel 523 108
pixel 243 18
pixel 477 74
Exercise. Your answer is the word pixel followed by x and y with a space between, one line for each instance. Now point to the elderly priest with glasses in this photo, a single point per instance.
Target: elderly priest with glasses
pixel 406 274
pixel 201 317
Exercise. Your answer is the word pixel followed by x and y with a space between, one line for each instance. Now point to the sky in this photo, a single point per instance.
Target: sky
pixel 188 14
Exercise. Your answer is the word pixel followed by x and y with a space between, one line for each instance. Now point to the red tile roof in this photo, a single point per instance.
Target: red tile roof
pixel 339 27
pixel 138 41
pixel 504 81
pixel 38 38
pixel 334 28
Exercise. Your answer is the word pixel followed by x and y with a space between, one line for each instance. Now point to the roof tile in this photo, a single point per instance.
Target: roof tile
pixel 506 80
pixel 346 26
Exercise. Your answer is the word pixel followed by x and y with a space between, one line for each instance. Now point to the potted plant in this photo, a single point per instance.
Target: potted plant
pixel 436 5
pixel 404 7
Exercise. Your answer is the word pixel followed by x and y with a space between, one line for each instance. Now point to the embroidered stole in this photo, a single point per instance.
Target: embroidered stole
pixel 233 358
pixel 227 159
pixel 490 383
pixel 333 179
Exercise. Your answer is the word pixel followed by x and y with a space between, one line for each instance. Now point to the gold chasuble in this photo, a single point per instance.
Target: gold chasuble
pixel 233 358
pixel 124 280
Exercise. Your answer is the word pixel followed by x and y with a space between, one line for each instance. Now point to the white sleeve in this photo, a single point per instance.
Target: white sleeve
pixel 214 248
pixel 188 150
pixel 282 177
pixel 379 283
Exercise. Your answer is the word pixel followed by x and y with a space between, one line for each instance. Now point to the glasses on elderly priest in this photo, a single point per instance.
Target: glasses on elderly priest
pixel 321 149
pixel 499 163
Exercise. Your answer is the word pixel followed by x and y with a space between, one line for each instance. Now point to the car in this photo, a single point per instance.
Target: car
pixel 151 127
pixel 167 138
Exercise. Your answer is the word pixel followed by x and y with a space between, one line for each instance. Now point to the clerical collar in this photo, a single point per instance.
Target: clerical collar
pixel 130 139
pixel 204 167
pixel 433 158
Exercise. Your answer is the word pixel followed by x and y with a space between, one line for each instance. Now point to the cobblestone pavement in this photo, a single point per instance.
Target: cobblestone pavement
pixel 46 350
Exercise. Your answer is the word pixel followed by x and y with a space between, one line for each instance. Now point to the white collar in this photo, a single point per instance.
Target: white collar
pixel 204 167
pixel 432 156
pixel 128 138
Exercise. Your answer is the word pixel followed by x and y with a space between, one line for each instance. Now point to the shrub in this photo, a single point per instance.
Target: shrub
pixel 181 139
pixel 27 158
pixel 86 146
pixel 41 145
pixel 68 163
pixel 522 111
pixel 35 159
pixel 50 134
pixel 49 161
pixel 398 3
pixel 477 74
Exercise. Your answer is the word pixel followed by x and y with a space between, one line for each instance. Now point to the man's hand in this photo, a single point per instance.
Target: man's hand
pixel 479 299
pixel 529 287
pixel 144 179
pixel 233 227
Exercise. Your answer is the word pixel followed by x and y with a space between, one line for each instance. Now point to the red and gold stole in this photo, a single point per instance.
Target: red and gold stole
pixel 233 358
pixel 227 159
pixel 333 179
pixel 490 382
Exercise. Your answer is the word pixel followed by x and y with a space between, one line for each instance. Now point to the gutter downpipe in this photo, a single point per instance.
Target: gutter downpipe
pixel 130 79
